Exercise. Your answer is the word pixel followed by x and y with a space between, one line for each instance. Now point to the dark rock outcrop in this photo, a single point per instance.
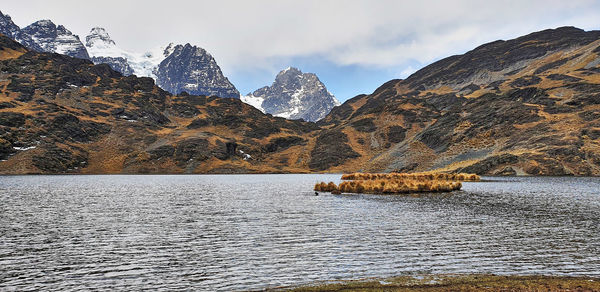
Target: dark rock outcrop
pixel 193 70
pixel 331 149
pixel 116 63
pixel 489 164
pixel 282 143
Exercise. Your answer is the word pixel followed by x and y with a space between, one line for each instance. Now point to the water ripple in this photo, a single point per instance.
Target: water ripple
pixel 257 231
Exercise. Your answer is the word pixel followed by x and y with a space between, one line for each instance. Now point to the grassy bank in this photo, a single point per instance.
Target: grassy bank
pixel 462 283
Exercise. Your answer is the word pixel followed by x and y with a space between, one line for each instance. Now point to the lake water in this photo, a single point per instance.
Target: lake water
pixel 241 232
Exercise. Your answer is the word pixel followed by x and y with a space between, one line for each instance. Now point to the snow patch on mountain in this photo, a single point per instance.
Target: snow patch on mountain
pixel 99 44
pixel 255 101
pixel 45 36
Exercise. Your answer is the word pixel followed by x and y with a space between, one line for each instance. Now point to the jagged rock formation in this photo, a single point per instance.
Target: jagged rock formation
pixel 294 95
pixel 7 26
pixel 44 36
pixel 10 29
pixel 175 68
pixel 119 64
pixel 193 70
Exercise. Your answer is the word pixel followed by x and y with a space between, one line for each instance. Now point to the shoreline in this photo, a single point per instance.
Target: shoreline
pixel 455 282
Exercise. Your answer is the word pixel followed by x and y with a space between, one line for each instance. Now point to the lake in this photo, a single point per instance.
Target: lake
pixel 241 232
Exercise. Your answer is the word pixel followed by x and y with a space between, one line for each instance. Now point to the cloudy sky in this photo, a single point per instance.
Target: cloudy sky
pixel 352 45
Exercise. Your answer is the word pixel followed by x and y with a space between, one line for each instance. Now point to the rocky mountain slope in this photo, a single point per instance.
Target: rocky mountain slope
pixel 294 95
pixel 530 105
pixel 104 49
pixel 525 106
pixel 175 68
pixel 8 27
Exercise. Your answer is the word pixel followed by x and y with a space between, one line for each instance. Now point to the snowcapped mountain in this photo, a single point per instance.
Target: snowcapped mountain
pixel 44 36
pixel 294 95
pixel 192 69
pixel 54 39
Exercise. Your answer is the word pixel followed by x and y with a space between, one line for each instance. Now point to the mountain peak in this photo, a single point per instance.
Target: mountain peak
pixel 289 71
pixel 169 49
pixel 192 69
pixel 294 95
pixel 7 26
pixel 98 35
pixel 191 49
pixel 44 35
pixel 44 22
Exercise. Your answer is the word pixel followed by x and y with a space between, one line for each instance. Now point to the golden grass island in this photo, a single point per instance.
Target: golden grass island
pixel 397 183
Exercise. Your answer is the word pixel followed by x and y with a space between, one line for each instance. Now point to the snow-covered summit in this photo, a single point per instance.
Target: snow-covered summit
pixel 294 95
pixel 55 39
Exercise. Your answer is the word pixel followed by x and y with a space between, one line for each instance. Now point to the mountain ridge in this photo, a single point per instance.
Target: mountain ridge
pixel 503 107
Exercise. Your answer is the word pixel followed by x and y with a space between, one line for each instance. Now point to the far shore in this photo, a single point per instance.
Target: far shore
pixel 456 282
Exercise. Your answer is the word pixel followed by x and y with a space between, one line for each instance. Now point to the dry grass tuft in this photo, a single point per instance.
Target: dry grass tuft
pixel 397 183
pixel 398 186
pixel 323 187
pixel 389 186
